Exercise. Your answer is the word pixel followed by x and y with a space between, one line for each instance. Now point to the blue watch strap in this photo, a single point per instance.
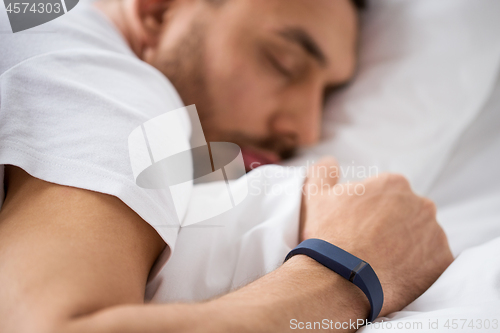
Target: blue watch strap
pixel 346 265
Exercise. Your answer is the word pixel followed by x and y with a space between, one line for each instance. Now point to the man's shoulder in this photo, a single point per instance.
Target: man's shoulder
pixel 81 29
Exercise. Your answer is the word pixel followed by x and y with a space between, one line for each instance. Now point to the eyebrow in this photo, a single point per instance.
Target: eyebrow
pixel 304 39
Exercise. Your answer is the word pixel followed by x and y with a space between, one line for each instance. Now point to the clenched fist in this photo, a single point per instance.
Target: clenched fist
pixel 382 222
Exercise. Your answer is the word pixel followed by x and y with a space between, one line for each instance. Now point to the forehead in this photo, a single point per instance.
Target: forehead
pixel 332 24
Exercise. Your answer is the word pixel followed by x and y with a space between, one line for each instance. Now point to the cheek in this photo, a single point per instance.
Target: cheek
pixel 245 96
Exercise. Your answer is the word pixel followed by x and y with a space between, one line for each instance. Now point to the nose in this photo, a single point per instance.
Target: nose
pixel 310 125
pixel 301 119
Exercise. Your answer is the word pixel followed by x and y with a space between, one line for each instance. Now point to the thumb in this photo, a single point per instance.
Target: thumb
pixel 325 171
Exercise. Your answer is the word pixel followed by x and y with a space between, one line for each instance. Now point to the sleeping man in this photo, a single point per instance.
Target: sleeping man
pixel 78 237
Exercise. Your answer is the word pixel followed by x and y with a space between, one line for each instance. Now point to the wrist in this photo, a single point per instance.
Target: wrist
pixel 342 298
pixel 300 289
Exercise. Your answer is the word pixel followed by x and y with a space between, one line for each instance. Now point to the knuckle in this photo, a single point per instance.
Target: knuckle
pixel 447 256
pixel 397 180
pixel 429 206
pixel 443 239
pixel 440 240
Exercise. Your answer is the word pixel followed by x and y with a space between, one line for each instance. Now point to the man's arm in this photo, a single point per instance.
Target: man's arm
pixel 67 252
pixel 77 261
pixel 301 289
pixel 73 260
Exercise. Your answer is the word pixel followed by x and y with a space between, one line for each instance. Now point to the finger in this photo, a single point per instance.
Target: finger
pixel 325 171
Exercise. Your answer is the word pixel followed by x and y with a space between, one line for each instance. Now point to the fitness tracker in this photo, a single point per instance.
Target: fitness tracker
pixel 346 265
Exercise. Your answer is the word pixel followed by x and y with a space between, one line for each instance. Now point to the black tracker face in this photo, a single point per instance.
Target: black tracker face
pixel 346 265
pixel 356 270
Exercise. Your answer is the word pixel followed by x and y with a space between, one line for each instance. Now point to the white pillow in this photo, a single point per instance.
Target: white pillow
pixel 426 69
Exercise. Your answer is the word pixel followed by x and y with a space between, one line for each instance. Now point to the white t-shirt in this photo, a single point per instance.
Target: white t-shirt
pixel 71 92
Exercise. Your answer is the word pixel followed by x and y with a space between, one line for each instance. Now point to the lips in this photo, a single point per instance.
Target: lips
pixel 254 158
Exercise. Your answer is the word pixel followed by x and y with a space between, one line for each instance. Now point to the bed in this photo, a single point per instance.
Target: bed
pixel 425 103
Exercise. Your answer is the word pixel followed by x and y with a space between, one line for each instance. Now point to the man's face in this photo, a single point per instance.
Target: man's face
pixel 258 70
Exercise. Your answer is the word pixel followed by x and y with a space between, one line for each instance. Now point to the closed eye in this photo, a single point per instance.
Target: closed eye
pixel 280 68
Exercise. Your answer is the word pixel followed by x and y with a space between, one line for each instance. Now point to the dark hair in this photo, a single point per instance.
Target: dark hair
pixel 359 4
